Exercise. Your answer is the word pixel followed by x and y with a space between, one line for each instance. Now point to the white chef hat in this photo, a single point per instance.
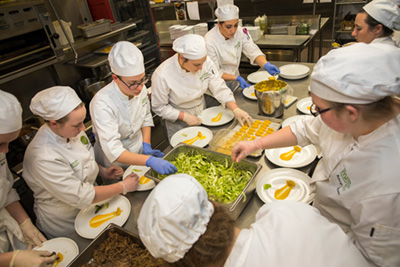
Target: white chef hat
pixel 386 12
pixel 227 12
pixel 10 113
pixel 126 59
pixel 174 216
pixel 190 46
pixel 55 102
pixel 357 74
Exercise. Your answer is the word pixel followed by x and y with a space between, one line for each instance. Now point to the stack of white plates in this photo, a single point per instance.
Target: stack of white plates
pixel 201 29
pixel 176 31
pixel 294 71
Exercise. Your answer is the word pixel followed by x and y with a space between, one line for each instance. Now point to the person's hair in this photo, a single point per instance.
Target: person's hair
pixel 370 112
pixel 372 23
pixel 213 246
pixel 66 117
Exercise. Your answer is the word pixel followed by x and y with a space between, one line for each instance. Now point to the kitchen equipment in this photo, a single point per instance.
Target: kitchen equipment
pixel 237 206
pixel 294 71
pixel 271 97
pixel 82 86
pixel 28 40
pixel 92 89
pixel 95 28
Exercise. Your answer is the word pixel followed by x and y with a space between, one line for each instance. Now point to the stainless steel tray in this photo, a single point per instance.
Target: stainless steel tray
pixel 235 207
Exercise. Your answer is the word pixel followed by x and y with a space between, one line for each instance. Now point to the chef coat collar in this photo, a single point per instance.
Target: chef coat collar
pixel 178 67
pixel 58 139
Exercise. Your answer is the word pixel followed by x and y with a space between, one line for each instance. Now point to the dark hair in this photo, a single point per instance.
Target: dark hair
pixel 373 111
pixel 213 246
pixel 372 23
pixel 66 117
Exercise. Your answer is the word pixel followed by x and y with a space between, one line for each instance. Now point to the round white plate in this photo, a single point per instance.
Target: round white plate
pixel 209 113
pixel 82 226
pixel 300 159
pixel 250 93
pixel 259 76
pixel 190 133
pixel 144 183
pixel 294 71
pixel 292 119
pixel 66 246
pixel 277 179
pixel 304 105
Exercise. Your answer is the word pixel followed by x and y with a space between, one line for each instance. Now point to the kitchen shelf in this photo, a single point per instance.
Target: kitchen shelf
pixel 351 3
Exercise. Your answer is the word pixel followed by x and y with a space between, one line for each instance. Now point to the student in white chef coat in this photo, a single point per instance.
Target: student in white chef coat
pixel 226 42
pixel 179 224
pixel 377 22
pixel 17 233
pixel 180 82
pixel 357 127
pixel 59 164
pixel 121 114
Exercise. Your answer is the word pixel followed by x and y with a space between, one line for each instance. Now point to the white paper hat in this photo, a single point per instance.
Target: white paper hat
pixel 126 59
pixel 357 74
pixel 10 113
pixel 55 102
pixel 227 12
pixel 386 12
pixel 190 46
pixel 174 216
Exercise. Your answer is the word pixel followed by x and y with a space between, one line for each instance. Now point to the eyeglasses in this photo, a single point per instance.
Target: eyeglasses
pixel 135 85
pixel 315 111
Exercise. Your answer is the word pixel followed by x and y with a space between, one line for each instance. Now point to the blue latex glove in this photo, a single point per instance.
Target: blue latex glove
pixel 161 166
pixel 272 69
pixel 147 150
pixel 242 82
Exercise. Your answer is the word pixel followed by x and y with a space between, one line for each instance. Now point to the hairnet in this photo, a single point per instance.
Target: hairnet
pixel 227 12
pixel 386 12
pixel 10 113
pixel 55 102
pixel 126 59
pixel 190 46
pixel 174 216
pixel 357 74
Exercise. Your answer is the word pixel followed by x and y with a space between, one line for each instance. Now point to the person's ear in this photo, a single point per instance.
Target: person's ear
pixel 378 29
pixel 114 77
pixel 353 113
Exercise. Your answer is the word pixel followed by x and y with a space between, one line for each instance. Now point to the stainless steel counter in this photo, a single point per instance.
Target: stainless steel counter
pixel 300 88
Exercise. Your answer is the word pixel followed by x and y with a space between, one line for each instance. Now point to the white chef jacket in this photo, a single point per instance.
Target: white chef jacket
pixel 396 37
pixel 288 233
pixel 174 90
pixel 384 40
pixel 61 175
pixel 117 122
pixel 226 54
pixel 358 186
pixel 10 233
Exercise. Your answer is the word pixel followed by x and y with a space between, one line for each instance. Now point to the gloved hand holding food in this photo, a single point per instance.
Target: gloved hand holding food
pixel 191 120
pixel 32 258
pixel 130 183
pixel 147 150
pixel 244 148
pixel 272 69
pixel 161 166
pixel 242 116
pixel 31 234
pixel 242 82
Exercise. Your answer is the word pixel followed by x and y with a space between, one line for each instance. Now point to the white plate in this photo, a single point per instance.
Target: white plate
pixel 82 226
pixel 144 183
pixel 294 71
pixel 67 247
pixel 292 119
pixel 290 100
pixel 209 113
pixel 190 133
pixel 250 93
pixel 259 76
pixel 277 179
pixel 304 105
pixel 300 159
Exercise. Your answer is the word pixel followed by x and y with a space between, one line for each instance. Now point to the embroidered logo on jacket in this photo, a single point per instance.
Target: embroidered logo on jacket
pixel 205 76
pixel 344 181
pixel 237 44
pixel 74 164
pixel 84 140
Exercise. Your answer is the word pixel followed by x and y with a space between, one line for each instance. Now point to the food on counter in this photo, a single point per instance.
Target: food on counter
pixel 289 155
pixel 121 250
pixel 222 181
pixel 98 220
pixel 270 85
pixel 284 192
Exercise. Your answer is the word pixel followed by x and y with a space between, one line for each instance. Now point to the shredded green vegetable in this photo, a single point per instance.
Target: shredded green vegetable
pixel 222 181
